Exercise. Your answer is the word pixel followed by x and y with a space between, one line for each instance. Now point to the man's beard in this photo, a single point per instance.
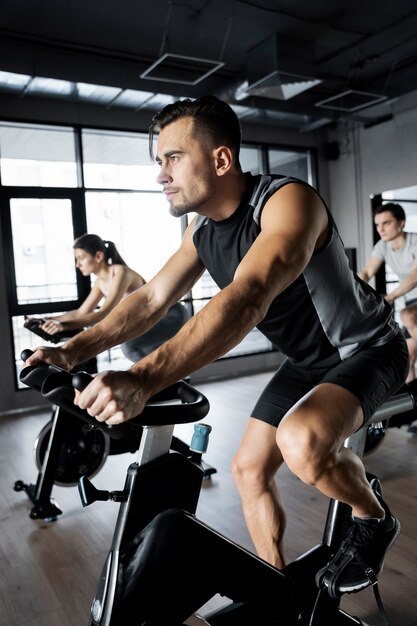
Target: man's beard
pixel 197 197
pixel 179 211
pixel 184 208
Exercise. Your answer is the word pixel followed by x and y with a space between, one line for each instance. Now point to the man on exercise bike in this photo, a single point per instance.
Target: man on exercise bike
pixel 273 248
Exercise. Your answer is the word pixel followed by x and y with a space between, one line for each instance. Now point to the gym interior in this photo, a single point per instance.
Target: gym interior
pixel 323 94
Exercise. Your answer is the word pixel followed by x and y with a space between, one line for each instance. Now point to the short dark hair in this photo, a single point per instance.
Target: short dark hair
pixel 392 207
pixel 215 122
pixel 93 244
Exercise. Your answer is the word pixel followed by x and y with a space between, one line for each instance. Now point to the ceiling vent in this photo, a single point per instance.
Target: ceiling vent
pixel 180 69
pixel 279 68
pixel 350 101
pixel 277 85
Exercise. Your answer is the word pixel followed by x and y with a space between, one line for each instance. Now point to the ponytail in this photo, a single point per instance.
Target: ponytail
pixel 113 256
pixel 93 244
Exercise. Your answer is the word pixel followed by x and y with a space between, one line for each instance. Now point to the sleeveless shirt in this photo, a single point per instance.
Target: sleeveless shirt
pixel 327 314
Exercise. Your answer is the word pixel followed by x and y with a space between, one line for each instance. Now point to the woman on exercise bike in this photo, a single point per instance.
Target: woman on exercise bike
pixel 115 280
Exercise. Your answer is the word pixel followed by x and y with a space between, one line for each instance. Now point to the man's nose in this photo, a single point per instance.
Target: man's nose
pixel 163 176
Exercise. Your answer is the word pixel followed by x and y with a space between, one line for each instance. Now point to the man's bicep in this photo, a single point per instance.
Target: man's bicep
pixel 270 266
pixel 294 223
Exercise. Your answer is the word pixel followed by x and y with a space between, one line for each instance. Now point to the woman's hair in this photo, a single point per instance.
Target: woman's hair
pixel 214 123
pixel 94 243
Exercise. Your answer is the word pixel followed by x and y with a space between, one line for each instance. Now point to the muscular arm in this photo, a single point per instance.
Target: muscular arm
pixel 79 317
pixel 407 284
pixel 294 223
pixel 370 269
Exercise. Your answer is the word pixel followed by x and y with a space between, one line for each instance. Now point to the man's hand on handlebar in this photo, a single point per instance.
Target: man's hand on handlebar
pixel 113 397
pixel 52 356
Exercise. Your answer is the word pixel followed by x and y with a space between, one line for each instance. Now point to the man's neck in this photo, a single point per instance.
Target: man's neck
pixel 398 243
pixel 228 198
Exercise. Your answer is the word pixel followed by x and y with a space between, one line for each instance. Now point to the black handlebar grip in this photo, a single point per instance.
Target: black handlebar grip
pixel 80 380
pixel 25 354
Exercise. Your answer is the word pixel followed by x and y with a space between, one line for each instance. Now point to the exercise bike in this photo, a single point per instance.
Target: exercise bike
pixel 158 540
pixel 67 449
pixel 378 430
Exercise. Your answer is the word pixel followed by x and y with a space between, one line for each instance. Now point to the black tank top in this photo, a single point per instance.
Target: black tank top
pixel 327 314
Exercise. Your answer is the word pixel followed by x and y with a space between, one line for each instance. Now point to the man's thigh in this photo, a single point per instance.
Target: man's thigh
pixel 372 375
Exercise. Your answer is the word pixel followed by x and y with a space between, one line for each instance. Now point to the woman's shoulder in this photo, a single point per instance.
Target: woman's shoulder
pixel 135 279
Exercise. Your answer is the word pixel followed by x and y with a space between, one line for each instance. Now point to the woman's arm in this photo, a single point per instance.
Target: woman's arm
pixel 86 314
pixel 136 314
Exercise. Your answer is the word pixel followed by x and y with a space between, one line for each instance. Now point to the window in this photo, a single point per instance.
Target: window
pixel 140 225
pixel 290 163
pixel 42 250
pixel 37 156
pixel 116 160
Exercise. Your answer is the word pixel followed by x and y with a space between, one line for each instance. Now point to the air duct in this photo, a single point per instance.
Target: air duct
pixel 280 68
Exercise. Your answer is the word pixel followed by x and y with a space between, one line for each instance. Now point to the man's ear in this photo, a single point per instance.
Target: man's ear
pixel 223 160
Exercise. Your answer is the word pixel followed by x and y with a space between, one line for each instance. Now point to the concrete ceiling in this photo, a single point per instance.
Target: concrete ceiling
pixel 291 63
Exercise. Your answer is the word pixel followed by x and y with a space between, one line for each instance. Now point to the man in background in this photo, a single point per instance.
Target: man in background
pixel 398 249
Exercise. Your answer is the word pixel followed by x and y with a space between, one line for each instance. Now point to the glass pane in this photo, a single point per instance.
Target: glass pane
pixel 251 159
pixel 42 249
pixel 140 225
pixel 25 339
pixel 114 160
pixel 37 156
pixel 290 163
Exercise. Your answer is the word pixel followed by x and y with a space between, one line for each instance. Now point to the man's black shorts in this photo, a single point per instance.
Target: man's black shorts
pixel 373 375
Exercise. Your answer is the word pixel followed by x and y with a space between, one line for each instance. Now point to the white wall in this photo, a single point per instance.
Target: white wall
pixel 372 160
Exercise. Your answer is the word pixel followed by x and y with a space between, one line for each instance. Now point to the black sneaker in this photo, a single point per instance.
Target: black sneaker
pixel 360 558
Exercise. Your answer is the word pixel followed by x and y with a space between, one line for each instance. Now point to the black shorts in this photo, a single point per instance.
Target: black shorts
pixel 373 375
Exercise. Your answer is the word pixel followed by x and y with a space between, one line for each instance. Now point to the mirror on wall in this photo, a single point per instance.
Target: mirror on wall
pixel 387 280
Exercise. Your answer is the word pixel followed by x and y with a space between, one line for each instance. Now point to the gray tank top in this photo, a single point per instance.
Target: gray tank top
pixel 327 314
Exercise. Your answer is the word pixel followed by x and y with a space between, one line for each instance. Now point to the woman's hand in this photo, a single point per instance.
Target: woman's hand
pixel 52 326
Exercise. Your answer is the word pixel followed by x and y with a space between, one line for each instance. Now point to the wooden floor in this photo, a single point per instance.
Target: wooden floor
pixel 48 571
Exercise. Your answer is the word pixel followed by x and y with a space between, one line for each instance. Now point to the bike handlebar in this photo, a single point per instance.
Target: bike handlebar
pixel 34 325
pixel 57 385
